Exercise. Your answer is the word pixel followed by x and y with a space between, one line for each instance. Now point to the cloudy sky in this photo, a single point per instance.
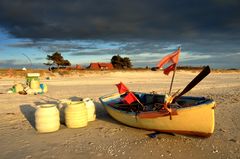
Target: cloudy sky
pixel 85 31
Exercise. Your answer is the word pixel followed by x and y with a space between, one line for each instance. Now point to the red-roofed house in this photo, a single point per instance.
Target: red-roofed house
pixel 101 66
pixel 78 67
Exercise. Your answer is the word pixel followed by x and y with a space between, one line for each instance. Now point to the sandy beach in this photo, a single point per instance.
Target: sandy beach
pixel 107 138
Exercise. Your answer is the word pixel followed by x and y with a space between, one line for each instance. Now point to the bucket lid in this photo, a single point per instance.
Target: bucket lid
pixel 33 74
pixel 76 103
pixel 65 101
pixel 47 105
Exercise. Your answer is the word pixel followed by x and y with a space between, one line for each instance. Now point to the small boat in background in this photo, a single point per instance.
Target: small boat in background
pixel 191 115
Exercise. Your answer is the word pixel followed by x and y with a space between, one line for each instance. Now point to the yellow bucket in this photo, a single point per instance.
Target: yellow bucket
pixel 47 118
pixel 76 115
pixel 35 85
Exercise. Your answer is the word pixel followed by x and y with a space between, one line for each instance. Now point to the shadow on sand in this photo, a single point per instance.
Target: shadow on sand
pixel 103 115
pixel 28 111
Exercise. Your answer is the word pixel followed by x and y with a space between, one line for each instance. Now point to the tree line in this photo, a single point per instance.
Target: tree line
pixel 56 61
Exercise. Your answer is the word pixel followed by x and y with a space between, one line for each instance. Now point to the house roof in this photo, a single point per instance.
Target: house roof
pixel 99 65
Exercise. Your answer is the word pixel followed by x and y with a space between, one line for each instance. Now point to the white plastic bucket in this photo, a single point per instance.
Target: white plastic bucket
pixel 90 109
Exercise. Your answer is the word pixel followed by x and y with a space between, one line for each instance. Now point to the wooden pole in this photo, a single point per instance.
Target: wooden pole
pixel 139 102
pixel 172 79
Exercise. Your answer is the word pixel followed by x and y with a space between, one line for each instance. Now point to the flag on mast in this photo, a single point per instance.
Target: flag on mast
pixel 170 68
pixel 122 88
pixel 172 59
pixel 130 97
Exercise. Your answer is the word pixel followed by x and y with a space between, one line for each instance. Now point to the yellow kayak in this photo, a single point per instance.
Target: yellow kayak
pixel 191 115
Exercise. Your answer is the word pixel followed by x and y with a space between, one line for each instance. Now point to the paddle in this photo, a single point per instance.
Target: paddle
pixel 194 82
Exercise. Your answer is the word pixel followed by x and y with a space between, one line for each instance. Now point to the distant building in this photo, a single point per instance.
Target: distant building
pixel 78 67
pixel 100 66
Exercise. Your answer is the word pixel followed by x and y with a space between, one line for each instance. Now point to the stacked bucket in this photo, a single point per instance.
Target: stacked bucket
pixel 34 84
pixel 75 114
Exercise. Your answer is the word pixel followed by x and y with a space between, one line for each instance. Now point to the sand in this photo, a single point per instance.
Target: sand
pixel 107 138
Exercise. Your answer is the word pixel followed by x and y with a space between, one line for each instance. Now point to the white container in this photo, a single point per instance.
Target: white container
pixel 90 109
pixel 47 118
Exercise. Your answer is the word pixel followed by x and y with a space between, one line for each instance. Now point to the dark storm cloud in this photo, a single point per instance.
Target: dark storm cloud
pixel 115 19
pixel 144 30
pixel 224 61
pixel 93 52
pixel 213 47
pixel 147 46
pixel 49 46
pixel 202 47
pixel 47 43
pixel 129 48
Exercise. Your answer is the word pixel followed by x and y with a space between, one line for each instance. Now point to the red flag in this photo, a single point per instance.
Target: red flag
pixel 171 58
pixel 130 98
pixel 169 68
pixel 122 88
